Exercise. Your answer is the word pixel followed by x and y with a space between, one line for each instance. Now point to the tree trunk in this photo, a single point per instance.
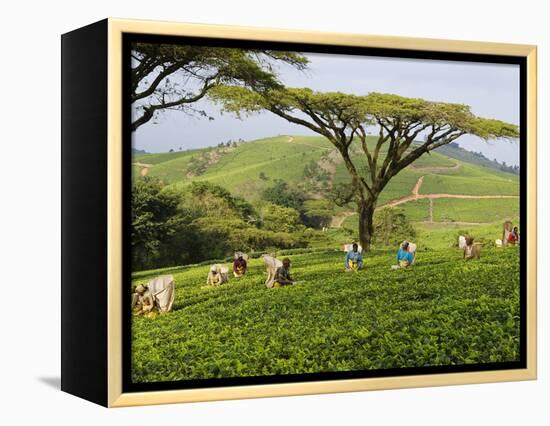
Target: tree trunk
pixel 366 223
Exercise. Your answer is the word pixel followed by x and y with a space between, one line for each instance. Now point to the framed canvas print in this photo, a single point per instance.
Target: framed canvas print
pixel 254 212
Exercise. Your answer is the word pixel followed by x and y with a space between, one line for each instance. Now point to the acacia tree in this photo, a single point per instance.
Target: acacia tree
pixel 174 77
pixel 344 120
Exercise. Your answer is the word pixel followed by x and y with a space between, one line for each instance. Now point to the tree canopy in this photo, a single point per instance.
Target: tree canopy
pixel 174 76
pixel 342 118
pixel 345 118
pixel 202 221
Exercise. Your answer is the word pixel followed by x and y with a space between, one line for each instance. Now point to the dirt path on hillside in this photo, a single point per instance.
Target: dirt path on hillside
pixel 454 223
pixel 416 187
pixel 144 168
pixel 290 139
pixel 339 219
pixel 415 195
pixel 330 162
pixel 435 168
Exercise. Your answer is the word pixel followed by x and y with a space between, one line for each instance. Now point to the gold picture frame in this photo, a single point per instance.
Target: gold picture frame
pixel 116 28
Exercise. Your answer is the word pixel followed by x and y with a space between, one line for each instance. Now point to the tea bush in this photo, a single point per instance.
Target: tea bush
pixel 442 311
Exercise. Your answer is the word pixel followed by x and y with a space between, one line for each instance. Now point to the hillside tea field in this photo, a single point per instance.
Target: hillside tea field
pixel 443 311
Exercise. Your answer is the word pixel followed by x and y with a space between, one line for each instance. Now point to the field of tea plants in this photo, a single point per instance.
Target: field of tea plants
pixel 443 311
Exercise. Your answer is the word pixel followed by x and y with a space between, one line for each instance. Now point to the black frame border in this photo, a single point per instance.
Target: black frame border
pixel 129 38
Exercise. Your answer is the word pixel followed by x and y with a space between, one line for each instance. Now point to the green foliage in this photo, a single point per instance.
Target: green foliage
pixel 204 221
pixel 197 165
pixel 485 210
pixel 392 226
pixel 279 219
pixel 356 110
pixel 449 115
pixel 154 67
pixel 238 99
pixel 154 218
pixel 443 311
pixel 254 239
pixel 316 179
pixel 469 184
pixel 223 223
pixel 317 213
pixel 205 192
pixel 283 194
pixel 220 237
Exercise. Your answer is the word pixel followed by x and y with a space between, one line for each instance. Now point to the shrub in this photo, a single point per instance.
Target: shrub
pixel 281 194
pixel 279 219
pixel 392 226
pixel 155 217
pixel 317 213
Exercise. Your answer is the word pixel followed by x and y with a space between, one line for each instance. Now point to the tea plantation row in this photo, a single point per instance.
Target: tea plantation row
pixel 442 311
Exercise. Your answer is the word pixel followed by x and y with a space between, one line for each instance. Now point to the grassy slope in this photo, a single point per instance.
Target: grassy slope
pixel 164 157
pixel 334 321
pixel 401 184
pixel 471 179
pixel 417 210
pixel 169 167
pixel 238 170
pixel 488 210
pixel 436 236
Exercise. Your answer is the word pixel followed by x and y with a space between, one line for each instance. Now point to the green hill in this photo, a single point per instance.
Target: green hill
pixel 238 168
pixel 246 169
pixel 441 311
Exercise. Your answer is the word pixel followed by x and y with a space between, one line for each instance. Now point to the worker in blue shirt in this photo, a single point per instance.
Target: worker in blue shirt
pixel 353 260
pixel 404 256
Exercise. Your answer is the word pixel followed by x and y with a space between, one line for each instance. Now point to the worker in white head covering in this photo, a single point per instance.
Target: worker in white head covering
pixel 158 293
pixel 217 275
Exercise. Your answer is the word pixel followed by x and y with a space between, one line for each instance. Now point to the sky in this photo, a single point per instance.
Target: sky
pixel 491 90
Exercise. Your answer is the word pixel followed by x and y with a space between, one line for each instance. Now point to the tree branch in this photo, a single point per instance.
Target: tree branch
pixel 149 111
pixel 371 161
pixel 161 76
pixel 278 111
